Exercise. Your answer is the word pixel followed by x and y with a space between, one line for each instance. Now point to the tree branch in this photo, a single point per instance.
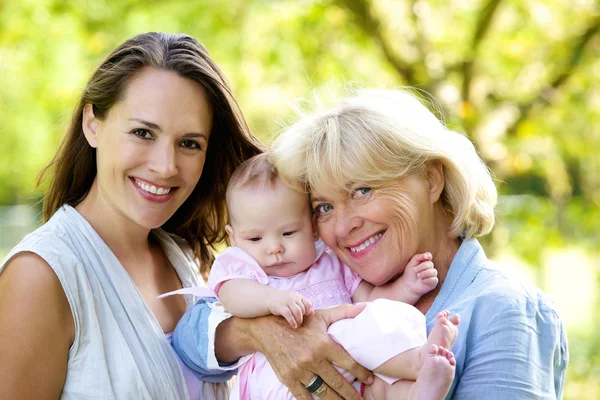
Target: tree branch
pixel 481 29
pixel 547 92
pixel 370 23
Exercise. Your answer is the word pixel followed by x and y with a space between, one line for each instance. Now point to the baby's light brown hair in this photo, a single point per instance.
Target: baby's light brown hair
pixel 256 173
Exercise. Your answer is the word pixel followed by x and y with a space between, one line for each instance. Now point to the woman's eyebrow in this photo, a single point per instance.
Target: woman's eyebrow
pixel 312 199
pixel 147 123
pixel 194 135
pixel 157 127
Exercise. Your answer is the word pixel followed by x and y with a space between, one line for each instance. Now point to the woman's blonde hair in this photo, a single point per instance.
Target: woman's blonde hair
pixel 377 136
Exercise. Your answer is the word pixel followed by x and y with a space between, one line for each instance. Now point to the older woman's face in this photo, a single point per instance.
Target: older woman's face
pixel 376 231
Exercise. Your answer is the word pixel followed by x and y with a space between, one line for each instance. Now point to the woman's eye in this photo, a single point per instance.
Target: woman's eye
pixel 361 192
pixel 287 234
pixel 322 209
pixel 143 133
pixel 190 144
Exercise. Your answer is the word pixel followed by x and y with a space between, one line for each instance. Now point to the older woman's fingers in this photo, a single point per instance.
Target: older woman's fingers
pixel 335 353
pixel 336 381
pixel 334 314
pixel 325 393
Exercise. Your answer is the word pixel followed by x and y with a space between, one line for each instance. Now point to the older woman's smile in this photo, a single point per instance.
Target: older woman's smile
pixel 363 247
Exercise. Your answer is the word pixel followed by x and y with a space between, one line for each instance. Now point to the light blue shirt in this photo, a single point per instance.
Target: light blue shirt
pixel 511 342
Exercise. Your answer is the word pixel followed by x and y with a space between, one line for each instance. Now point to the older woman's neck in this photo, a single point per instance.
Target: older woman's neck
pixel 443 249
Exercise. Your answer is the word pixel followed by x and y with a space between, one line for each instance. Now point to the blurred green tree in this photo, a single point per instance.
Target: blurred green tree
pixel 522 79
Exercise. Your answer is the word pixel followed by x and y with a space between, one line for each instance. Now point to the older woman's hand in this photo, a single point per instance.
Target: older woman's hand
pixel 297 355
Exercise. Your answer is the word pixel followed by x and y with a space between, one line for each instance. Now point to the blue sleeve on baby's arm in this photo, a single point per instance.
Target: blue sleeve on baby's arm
pixel 191 342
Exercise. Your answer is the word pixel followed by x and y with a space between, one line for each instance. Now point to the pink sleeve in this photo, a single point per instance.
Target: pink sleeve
pixel 234 263
pixel 351 278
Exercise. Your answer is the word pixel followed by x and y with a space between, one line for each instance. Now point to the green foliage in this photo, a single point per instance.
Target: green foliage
pixel 521 78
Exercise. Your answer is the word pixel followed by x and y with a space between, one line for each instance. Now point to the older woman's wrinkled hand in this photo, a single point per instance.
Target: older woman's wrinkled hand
pixel 298 355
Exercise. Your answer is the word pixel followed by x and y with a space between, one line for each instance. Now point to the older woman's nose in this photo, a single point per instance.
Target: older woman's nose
pixel 163 160
pixel 345 221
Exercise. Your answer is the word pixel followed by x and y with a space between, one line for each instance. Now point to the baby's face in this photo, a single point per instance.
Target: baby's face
pixel 274 226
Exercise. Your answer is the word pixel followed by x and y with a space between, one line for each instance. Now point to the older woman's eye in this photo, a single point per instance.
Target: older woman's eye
pixel 361 192
pixel 322 209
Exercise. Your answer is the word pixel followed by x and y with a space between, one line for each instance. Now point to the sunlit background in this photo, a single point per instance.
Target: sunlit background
pixel 520 77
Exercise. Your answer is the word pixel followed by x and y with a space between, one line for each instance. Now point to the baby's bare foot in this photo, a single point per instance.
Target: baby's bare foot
pixel 445 331
pixel 436 374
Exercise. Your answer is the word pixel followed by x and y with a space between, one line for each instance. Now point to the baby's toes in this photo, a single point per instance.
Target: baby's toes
pixel 442 314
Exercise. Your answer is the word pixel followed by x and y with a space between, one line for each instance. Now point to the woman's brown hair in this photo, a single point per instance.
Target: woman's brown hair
pixel 202 217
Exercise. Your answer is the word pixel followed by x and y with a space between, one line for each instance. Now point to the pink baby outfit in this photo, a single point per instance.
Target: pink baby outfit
pixel 383 330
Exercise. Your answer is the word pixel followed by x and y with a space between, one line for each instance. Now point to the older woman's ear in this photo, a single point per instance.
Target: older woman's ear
pixel 435 180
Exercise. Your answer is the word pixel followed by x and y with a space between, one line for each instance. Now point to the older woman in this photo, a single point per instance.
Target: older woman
pixel 388 180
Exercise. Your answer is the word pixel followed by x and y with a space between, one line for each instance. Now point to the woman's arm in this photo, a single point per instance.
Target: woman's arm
pixel 247 298
pixel 36 331
pixel 296 355
pixel 517 350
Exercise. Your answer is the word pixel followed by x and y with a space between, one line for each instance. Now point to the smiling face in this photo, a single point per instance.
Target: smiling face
pixel 274 226
pixel 376 231
pixel 150 148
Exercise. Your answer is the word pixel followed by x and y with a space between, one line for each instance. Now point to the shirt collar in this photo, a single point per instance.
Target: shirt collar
pixel 467 262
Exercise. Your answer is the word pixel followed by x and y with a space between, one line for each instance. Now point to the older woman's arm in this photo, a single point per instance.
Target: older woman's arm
pixel 518 350
pixel 210 343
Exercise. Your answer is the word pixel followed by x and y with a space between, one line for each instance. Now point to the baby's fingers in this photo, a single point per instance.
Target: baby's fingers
pixel 298 313
pixel 419 259
pixel 425 266
pixel 426 273
pixel 308 310
pixel 289 317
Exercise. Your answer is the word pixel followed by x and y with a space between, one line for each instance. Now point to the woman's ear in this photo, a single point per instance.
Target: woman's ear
pixel 435 180
pixel 90 125
pixel 229 231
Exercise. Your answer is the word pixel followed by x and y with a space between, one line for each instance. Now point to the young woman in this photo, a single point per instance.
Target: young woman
pixel 136 196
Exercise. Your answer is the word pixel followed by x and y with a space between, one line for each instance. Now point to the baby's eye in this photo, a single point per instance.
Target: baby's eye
pixel 142 133
pixel 290 233
pixel 254 239
pixel 322 209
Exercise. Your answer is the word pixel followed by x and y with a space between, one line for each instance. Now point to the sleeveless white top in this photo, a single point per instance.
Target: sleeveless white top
pixel 119 350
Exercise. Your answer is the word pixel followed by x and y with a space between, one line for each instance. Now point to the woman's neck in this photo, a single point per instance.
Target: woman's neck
pixel 443 249
pixel 126 239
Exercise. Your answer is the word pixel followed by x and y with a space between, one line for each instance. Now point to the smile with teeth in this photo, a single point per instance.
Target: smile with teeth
pixel 161 191
pixel 366 243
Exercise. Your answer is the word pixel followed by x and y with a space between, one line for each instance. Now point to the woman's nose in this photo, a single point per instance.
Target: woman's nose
pixel 163 160
pixel 345 221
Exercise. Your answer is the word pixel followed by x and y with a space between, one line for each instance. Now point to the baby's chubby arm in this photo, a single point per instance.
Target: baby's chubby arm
pixel 246 298
pixel 419 277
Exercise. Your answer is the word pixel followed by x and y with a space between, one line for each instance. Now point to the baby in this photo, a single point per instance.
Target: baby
pixel 274 267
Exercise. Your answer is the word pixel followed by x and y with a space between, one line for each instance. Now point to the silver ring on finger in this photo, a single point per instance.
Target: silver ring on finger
pixel 316 385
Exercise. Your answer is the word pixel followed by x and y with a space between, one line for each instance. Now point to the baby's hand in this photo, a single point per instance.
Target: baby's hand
pixel 420 276
pixel 290 305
